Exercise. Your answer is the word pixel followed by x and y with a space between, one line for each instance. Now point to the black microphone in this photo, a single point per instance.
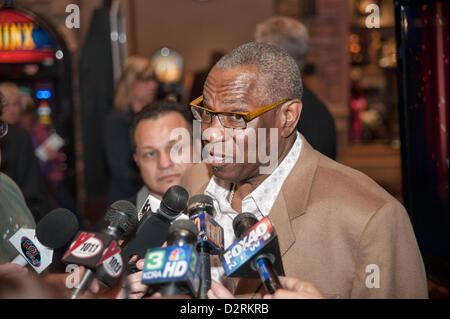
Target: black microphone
pixel 152 229
pixel 201 211
pixel 54 230
pixel 255 253
pixel 57 228
pixel 88 250
pixel 57 232
pixel 174 270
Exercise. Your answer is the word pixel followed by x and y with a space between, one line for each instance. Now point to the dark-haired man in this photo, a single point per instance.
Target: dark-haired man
pixel 153 141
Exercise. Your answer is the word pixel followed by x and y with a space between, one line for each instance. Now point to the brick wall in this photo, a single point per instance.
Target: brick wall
pixel 328 26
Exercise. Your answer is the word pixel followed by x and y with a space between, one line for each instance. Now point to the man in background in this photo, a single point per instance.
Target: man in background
pixel 316 122
pixel 152 142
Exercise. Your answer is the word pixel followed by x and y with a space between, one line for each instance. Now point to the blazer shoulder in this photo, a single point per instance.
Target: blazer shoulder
pixel 349 194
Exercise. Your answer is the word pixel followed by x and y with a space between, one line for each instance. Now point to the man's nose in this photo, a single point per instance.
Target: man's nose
pixel 165 161
pixel 215 132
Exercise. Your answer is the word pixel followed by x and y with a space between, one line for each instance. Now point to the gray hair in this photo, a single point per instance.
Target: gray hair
pixel 278 70
pixel 287 33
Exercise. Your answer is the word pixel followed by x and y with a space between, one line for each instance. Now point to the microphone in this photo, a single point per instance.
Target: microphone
pixel 35 246
pixel 210 241
pixel 174 270
pixel 100 252
pixel 256 253
pixel 152 229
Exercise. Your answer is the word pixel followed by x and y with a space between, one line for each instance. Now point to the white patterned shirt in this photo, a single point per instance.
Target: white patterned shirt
pixel 259 203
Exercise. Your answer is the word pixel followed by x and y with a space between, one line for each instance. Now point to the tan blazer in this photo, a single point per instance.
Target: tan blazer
pixel 334 224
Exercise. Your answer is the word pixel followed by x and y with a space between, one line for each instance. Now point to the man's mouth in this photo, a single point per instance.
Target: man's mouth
pixel 169 177
pixel 219 159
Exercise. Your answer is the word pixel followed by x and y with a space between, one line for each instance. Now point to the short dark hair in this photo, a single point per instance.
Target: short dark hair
pixel 155 110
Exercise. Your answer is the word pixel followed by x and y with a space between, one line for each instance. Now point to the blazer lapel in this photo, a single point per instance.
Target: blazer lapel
pixel 290 203
pixel 293 198
pixel 297 186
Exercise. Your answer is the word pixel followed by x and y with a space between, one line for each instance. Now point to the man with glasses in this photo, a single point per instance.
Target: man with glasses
pixel 333 223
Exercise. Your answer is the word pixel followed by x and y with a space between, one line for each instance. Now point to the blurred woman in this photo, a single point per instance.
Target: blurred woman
pixel 11 97
pixel 137 87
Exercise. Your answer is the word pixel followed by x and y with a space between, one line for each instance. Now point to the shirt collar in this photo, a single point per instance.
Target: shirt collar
pixel 265 194
pixel 261 199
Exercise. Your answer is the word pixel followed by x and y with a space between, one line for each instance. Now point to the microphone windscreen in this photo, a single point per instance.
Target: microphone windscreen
pixel 174 200
pixel 242 223
pixel 122 214
pixel 57 228
pixel 184 224
pixel 200 202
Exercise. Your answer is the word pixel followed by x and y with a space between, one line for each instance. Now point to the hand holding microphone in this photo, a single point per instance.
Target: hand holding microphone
pixel 174 270
pixel 35 247
pixel 100 252
pixel 18 282
pixel 291 288
pixel 294 288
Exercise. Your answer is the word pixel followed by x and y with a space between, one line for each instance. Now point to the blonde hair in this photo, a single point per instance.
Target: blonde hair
pixel 136 68
pixel 9 89
pixel 27 104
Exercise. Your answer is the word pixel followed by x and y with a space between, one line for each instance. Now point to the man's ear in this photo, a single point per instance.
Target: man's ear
pixel 289 116
pixel 135 159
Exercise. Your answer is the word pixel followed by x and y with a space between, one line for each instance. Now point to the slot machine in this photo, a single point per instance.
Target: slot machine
pixel 35 58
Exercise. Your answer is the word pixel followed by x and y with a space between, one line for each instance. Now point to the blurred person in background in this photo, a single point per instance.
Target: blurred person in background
pixel 316 123
pixel 15 281
pixel 54 166
pixel 19 160
pixel 14 212
pixel 200 76
pixel 137 87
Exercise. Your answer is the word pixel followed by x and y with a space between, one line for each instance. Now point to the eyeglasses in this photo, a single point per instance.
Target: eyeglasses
pixel 3 128
pixel 228 119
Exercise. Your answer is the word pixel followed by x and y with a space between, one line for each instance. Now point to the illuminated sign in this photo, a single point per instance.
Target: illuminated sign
pixel 43 94
pixel 22 39
pixel 16 36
